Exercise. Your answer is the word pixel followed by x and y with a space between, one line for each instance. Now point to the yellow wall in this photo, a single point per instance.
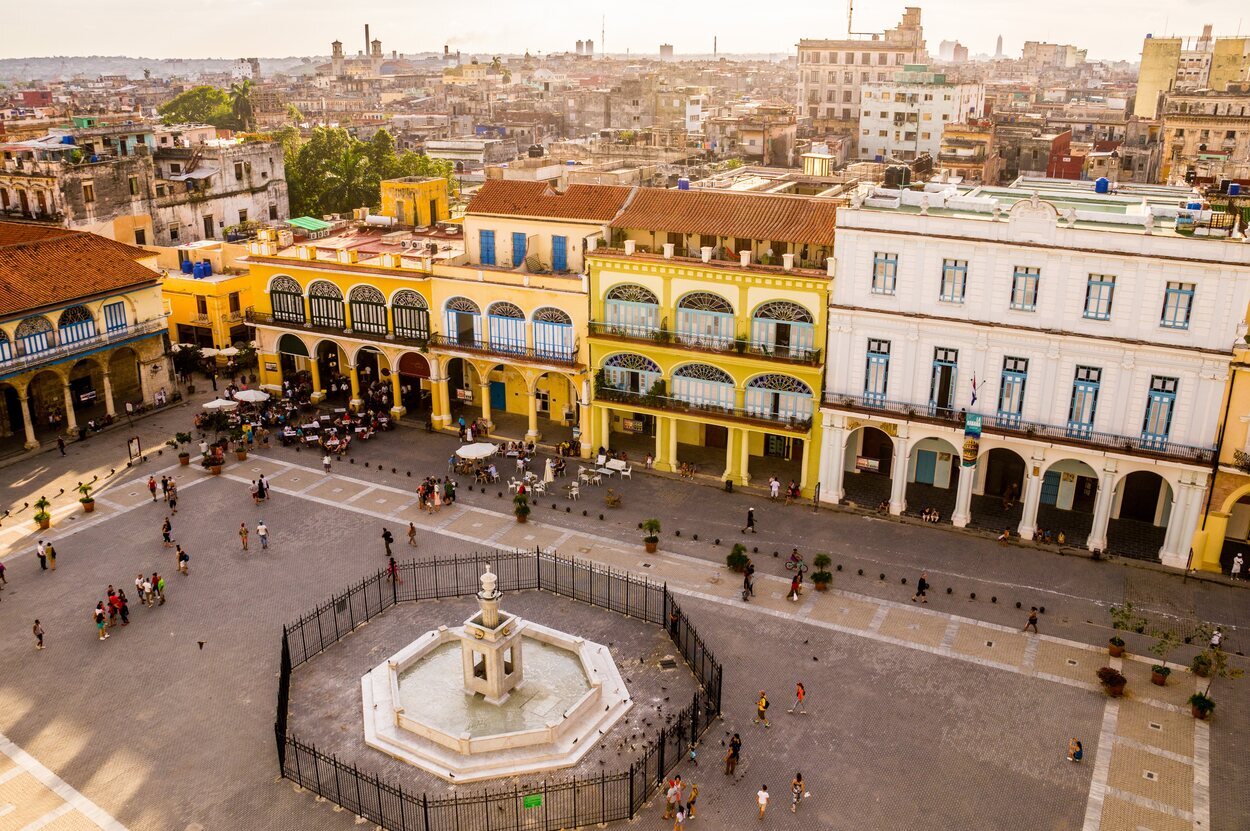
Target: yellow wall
pixel 409 201
pixel 538 234
pixel 1230 483
pixel 1159 60
pixel 1228 62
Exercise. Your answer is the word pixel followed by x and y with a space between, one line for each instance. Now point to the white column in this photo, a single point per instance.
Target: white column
pixel 963 495
pixel 1197 500
pixel 898 474
pixel 832 459
pixel 532 434
pixel 27 424
pixel 1170 553
pixel 484 391
pixel 108 396
pixel 71 423
pixel 1031 499
pixel 1097 540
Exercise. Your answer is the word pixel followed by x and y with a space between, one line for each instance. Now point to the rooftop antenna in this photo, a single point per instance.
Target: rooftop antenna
pixel 603 27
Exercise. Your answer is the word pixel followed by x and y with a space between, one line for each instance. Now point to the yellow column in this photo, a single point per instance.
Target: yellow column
pixel 439 409
pixel 27 424
pixel 604 437
pixel 804 471
pixel 732 446
pixel 71 423
pixel 532 433
pixel 397 398
pixel 1209 542
pixel 484 389
pixel 585 416
pixel 744 475
pixel 662 460
pixel 314 369
pixel 108 396
pixel 355 376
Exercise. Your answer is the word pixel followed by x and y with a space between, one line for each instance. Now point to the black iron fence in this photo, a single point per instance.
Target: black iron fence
pixel 544 806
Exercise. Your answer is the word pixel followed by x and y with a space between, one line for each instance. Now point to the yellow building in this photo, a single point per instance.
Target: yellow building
pixel 1225 528
pixel 82 331
pixel 206 310
pixel 415 200
pixel 708 325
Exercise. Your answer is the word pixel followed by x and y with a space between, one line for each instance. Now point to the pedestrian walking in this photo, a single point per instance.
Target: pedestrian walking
pixel 748 580
pixel 1217 638
pixel 1032 620
pixel 152 487
pixel 255 491
pixel 165 488
pixel 412 534
pixel 41 551
pixel 800 696
pixel 795 586
pixel 1076 752
pixel 173 499
pixel 60 445
pixel 694 797
pixel 761 797
pixel 262 532
pixel 750 521
pixel 184 560
pixel 796 792
pixel 325 463
pixel 263 484
pixel 387 539
pixel 37 630
pixel 392 572
pixel 51 552
pixel 167 529
pixel 98 616
pixel 731 758
pixel 158 588
pixel 113 604
pixel 4 581
pixel 125 608
pixel 679 820
pixel 922 586
pixel 1235 571
pixel 761 710
pixel 147 592
pixel 243 534
pixel 774 488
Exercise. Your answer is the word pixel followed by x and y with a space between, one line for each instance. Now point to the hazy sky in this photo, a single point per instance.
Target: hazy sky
pixel 278 28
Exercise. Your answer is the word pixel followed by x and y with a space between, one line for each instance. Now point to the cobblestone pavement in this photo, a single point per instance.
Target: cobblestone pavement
pixel 938 717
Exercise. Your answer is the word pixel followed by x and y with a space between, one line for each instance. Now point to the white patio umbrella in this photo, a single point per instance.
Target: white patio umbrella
pixel 549 475
pixel 208 353
pixel 251 396
pixel 229 351
pixel 477 450
pixel 221 404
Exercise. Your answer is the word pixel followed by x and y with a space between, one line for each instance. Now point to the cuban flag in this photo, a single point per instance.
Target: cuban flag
pixel 974 390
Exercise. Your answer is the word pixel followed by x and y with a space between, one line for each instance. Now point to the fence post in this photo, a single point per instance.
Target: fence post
pixel 659 770
pixel 664 613
pixel 694 720
pixel 540 573
pixel 425 810
pixel 631 789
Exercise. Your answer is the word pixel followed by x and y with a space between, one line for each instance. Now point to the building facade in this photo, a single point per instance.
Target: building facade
pixel 905 117
pixel 82 331
pixel 1206 136
pixel 1071 348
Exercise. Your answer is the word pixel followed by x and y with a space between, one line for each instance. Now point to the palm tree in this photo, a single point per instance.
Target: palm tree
pixel 241 104
pixel 346 179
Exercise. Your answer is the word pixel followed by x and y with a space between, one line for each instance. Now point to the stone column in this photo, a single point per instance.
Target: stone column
pixel 585 421
pixel 27 423
pixel 397 397
pixel 832 460
pixel 604 438
pixel 898 474
pixel 356 401
pixel 963 494
pixel 744 472
pixel 1170 553
pixel 532 434
pixel 1197 500
pixel 484 390
pixel 314 368
pixel 1031 499
pixel 1097 540
pixel 804 477
pixel 109 406
pixel 731 455
pixel 71 423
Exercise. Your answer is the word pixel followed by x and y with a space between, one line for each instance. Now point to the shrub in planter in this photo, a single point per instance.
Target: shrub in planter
pixel 88 502
pixel 1165 643
pixel 1115 646
pixel 821 578
pixel 42 517
pixel 1124 618
pixel 521 507
pixel 737 558
pixel 1201 665
pixel 651 534
pixel 1200 705
pixel 1112 681
pixel 182 440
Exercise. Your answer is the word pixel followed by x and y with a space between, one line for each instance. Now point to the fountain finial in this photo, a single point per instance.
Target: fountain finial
pixel 489 582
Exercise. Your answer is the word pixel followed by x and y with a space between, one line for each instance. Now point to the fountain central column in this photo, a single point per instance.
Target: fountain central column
pixel 490 647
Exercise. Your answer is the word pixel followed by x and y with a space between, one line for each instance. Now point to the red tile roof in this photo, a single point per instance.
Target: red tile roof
pixel 728 214
pixel 595 203
pixel 52 266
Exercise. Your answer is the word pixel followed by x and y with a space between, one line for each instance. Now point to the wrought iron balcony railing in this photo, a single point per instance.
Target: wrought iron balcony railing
pixel 784 421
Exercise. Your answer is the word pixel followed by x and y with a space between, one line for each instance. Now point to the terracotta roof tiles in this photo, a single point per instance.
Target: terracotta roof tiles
pixel 594 203
pixel 52 266
pixel 728 214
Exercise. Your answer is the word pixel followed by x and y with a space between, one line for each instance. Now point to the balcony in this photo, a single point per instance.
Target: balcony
pixel 1022 428
pixel 262 319
pixel 557 357
pixel 668 404
pixel 232 317
pixel 712 345
pixel 57 354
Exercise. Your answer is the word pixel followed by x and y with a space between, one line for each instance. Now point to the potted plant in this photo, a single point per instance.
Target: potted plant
pixel 1200 705
pixel 182 440
pixel 737 558
pixel 1165 643
pixel 240 446
pixel 87 500
pixel 521 507
pixel 651 534
pixel 1126 619
pixel 1201 665
pixel 1112 681
pixel 821 578
pixel 1115 646
pixel 41 512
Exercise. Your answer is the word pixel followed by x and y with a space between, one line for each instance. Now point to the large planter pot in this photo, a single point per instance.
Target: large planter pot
pixel 1159 678
pixel 1115 691
pixel 184 459
pixel 821 586
pixel 44 523
pixel 215 470
pixel 522 518
pixel 241 455
pixel 88 506
pixel 1115 650
pixel 1199 713
pixel 651 546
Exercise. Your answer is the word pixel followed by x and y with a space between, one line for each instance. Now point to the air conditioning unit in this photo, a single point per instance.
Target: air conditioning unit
pixel 403 243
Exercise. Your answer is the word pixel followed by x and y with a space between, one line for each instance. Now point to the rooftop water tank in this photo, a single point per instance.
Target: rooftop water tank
pixel 208 268
pixel 186 266
pixel 197 271
pixel 1102 185
pixel 1234 189
pixel 1193 206
pixel 683 183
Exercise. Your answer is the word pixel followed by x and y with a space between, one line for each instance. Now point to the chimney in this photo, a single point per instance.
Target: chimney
pixel 366 38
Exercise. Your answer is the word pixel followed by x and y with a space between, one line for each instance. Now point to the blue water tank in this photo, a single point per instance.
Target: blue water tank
pixel 1234 189
pixel 208 268
pixel 1193 206
pixel 197 271
pixel 1102 185
pixel 67 139
pixel 683 183
pixel 186 266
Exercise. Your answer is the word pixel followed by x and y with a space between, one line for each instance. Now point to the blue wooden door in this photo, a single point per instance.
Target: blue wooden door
pixel 498 395
pixel 1050 487
pixel 926 466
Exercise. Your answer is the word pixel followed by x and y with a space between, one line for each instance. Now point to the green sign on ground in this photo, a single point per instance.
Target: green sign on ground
pixel 533 800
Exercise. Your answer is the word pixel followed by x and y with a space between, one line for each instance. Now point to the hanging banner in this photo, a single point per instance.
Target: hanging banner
pixel 972 439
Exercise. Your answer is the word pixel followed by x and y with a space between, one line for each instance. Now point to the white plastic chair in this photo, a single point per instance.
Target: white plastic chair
pixel 627 473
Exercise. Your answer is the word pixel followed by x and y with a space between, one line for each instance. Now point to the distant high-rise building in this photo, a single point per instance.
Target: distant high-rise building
pixel 581 47
pixel 998 51
pixel 590 48
pixel 666 51
pixel 946 50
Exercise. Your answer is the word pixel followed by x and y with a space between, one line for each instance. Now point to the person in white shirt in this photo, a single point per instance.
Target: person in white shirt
pixel 1235 572
pixel 762 798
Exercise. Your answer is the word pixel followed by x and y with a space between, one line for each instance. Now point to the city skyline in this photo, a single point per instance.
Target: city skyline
pixel 485 30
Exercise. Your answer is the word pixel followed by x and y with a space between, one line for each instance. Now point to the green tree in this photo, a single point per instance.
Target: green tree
pixel 197 105
pixel 240 96
pixel 293 114
pixel 350 181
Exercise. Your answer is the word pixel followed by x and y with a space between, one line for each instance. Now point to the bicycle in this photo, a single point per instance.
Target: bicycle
pixel 791 565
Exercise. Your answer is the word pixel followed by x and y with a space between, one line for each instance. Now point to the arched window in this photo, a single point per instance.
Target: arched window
pixel 507 327
pixel 628 372
pixel 326 304
pixel 631 310
pixel 34 334
pixel 553 334
pixel 368 310
pixel 779 397
pixel 781 327
pixel 464 322
pixel 705 319
pixel 76 324
pixel 703 386
pixel 410 315
pixel 6 348
pixel 286 298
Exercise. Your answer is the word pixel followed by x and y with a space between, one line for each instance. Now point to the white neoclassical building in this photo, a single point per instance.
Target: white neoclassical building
pixel 1089 333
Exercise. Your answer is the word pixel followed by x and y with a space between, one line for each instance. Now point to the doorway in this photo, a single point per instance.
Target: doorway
pixel 715 435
